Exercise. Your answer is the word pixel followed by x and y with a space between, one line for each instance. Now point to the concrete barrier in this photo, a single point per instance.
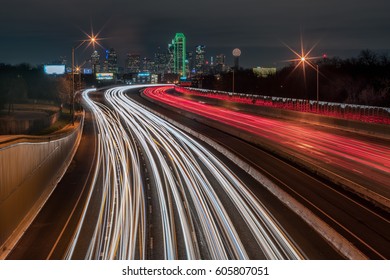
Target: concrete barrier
pixel 29 172
pixel 342 245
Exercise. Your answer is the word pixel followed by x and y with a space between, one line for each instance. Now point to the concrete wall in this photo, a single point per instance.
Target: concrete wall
pixel 29 171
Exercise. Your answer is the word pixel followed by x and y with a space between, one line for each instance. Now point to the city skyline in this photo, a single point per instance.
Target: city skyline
pixel 41 32
pixel 195 130
pixel 176 58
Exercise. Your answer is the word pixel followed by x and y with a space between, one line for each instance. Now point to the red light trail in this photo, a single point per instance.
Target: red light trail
pixel 336 110
pixel 364 161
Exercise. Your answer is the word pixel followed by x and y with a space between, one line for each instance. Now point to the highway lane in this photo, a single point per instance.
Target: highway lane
pixel 186 178
pixel 366 163
pixel 361 223
pixel 119 230
pixel 78 202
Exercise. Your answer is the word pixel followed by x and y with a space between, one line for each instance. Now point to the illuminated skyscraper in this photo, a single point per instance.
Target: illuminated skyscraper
pixel 179 54
pixel 170 63
pixel 95 62
pixel 190 63
pixel 200 59
pixel 220 59
pixel 147 64
pixel 104 67
pixel 112 61
pixel 161 60
pixel 220 63
pixel 133 63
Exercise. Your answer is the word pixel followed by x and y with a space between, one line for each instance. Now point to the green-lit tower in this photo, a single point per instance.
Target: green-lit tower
pixel 179 54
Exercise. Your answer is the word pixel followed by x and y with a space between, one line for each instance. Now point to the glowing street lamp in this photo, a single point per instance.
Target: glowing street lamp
pixel 305 59
pixel 236 53
pixel 92 40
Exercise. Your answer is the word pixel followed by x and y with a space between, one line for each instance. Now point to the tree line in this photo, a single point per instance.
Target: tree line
pixel 26 84
pixel 363 80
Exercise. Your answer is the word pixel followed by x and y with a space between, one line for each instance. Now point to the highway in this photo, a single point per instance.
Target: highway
pixel 366 226
pixel 361 161
pixel 139 188
pixel 188 181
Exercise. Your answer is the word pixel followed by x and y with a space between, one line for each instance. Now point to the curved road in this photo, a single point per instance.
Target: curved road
pixel 194 221
pixel 139 188
pixel 361 223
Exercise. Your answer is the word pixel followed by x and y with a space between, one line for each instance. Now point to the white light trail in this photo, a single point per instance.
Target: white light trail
pixel 187 195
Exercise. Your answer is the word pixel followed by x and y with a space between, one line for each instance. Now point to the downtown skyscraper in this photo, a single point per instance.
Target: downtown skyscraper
pixel 95 62
pixel 110 64
pixel 200 60
pixel 179 55
pixel 133 63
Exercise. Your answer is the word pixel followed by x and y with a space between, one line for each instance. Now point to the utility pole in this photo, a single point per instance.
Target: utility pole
pixel 233 82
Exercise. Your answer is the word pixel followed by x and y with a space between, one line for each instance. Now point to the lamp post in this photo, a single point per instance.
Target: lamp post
pixel 233 82
pixel 72 97
pixel 92 39
pixel 303 60
pixel 236 54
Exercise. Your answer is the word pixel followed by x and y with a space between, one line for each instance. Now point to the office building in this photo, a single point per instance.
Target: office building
pixel 200 52
pixel 161 60
pixel 170 64
pixel 133 63
pixel 220 63
pixel 179 54
pixel 147 64
pixel 111 61
pixel 95 62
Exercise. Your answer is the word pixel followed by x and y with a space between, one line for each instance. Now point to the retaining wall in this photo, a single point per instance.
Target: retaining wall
pixel 29 172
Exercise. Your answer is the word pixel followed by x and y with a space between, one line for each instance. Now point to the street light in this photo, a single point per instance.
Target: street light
pixel 304 58
pixel 316 68
pixel 72 97
pixel 236 54
pixel 92 40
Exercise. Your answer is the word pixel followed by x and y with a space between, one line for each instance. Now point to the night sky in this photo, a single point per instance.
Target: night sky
pixel 41 31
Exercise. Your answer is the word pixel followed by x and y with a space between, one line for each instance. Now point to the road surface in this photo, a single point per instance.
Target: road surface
pixel 366 226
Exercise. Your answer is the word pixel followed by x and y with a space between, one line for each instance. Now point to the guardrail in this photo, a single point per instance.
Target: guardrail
pixel 369 114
